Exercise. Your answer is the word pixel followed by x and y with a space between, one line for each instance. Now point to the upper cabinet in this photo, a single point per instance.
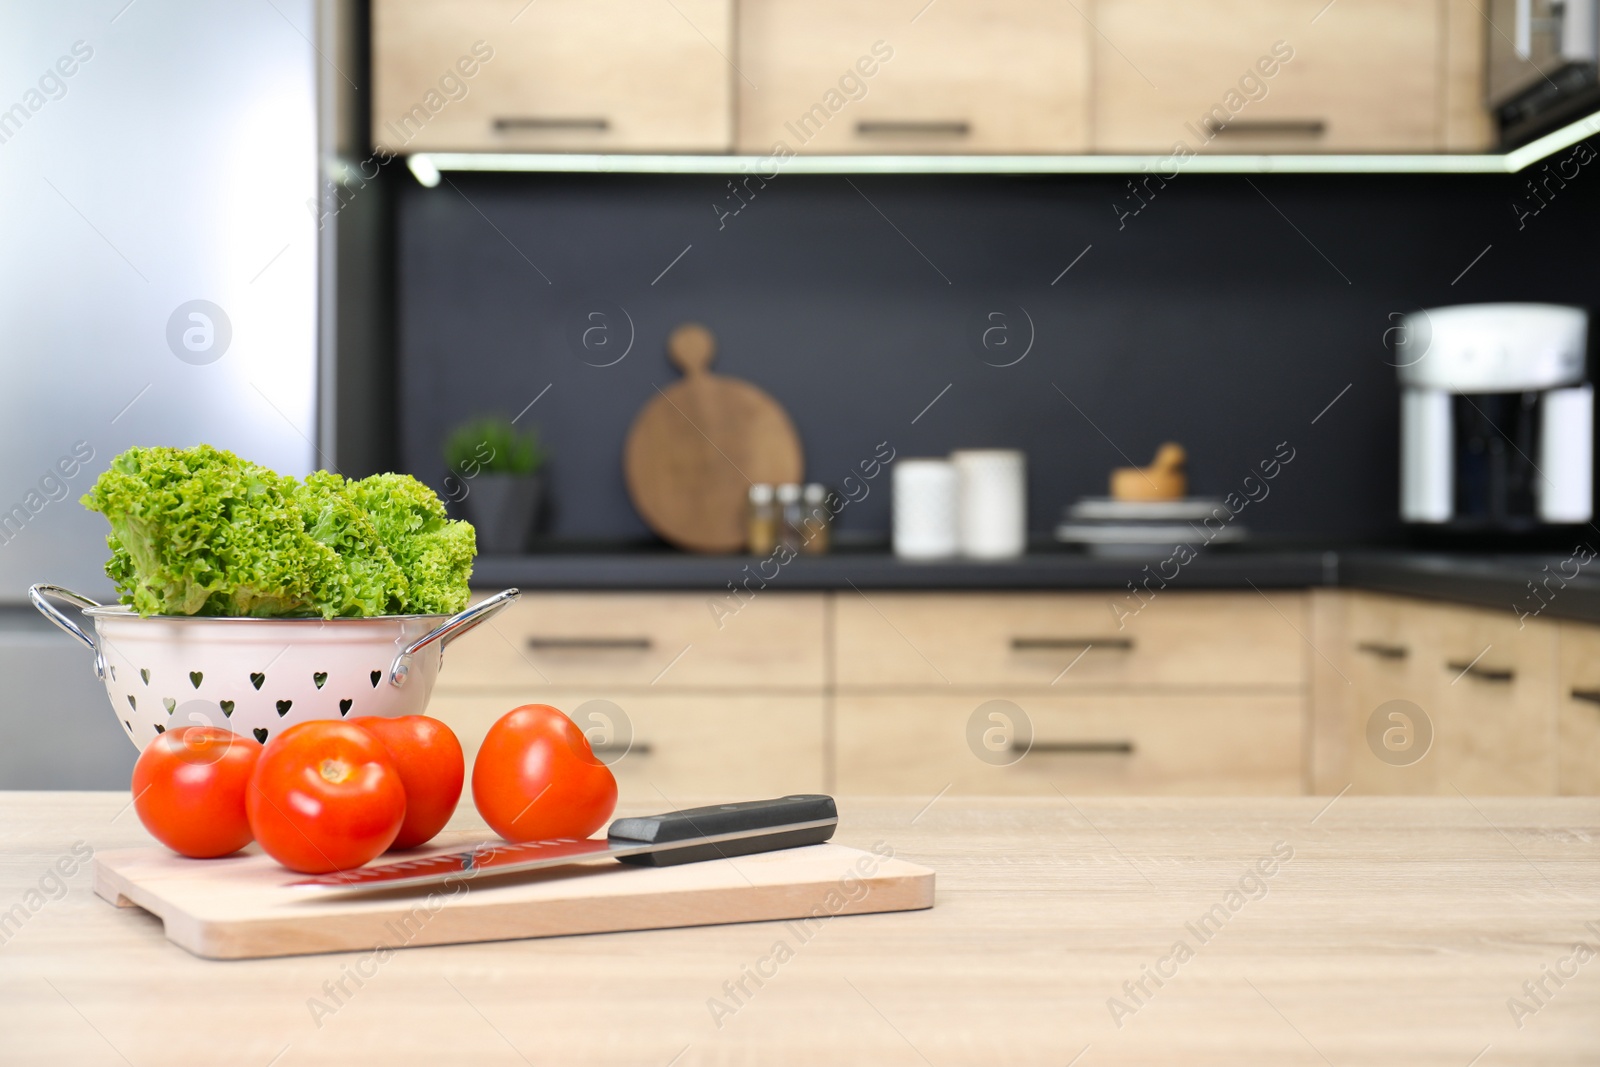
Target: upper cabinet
pixel 552 75
pixel 1283 76
pixel 929 77
pixel 893 76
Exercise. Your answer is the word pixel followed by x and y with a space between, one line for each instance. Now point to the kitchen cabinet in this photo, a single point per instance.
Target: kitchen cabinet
pixel 1069 640
pixel 673 745
pixel 892 76
pixel 552 76
pixel 1481 682
pixel 1088 743
pixel 1287 76
pixel 657 641
pixel 1578 704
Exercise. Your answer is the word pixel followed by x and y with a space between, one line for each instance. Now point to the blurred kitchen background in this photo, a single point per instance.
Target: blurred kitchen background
pixel 330 234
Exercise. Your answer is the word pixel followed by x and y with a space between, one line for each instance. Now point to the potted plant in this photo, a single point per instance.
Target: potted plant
pixel 497 479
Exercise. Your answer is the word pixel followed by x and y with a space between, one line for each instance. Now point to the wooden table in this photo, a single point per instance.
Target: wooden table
pixel 1368 930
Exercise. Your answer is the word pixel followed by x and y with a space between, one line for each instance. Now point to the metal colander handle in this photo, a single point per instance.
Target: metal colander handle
pixel 448 631
pixel 40 595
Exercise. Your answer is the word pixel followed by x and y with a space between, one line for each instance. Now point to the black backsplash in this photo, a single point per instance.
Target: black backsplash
pixel 1226 314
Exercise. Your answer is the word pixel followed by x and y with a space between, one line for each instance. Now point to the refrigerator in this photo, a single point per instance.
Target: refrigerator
pixel 170 264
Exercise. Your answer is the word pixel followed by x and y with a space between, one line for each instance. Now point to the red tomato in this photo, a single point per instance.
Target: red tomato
pixel 535 777
pixel 325 796
pixel 432 770
pixel 189 789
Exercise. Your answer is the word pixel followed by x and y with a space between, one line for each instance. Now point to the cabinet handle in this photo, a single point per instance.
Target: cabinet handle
pixel 1076 748
pixel 1383 651
pixel 1590 695
pixel 1268 128
pixel 638 748
pixel 1485 674
pixel 913 128
pixel 1040 644
pixel 591 644
pixel 537 124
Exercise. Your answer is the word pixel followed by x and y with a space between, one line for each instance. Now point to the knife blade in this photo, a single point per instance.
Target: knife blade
pixel 687 836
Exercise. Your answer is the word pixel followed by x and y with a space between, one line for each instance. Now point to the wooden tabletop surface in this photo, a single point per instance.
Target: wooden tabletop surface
pixel 1447 931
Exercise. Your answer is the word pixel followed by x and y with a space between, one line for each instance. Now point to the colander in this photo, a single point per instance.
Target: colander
pixel 260 676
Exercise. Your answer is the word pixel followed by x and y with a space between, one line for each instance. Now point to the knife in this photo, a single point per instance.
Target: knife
pixel 687 836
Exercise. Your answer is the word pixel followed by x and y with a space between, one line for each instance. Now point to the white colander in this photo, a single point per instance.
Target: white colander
pixel 260 676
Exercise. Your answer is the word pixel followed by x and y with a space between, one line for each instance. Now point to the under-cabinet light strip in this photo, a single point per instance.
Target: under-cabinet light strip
pixel 428 166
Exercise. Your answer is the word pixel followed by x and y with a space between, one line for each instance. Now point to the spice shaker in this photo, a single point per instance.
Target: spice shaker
pixel 761 520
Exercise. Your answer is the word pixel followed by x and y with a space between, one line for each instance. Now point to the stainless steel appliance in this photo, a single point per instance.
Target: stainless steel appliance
pixel 167 276
pixel 1542 63
pixel 1496 418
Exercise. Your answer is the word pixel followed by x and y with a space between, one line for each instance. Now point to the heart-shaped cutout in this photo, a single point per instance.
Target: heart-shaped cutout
pixel 257 680
pixel 144 673
pixel 261 734
pixel 129 725
pixel 344 706
pixel 375 676
pixel 132 703
pixel 227 707
pixel 113 672
pixel 284 706
pixel 194 678
pixel 321 678
pixel 170 704
pixel 160 729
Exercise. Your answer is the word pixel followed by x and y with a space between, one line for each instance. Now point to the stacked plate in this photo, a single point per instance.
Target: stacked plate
pixel 1138 527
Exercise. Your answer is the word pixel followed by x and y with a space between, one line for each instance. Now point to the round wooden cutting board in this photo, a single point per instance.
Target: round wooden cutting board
pixel 695 449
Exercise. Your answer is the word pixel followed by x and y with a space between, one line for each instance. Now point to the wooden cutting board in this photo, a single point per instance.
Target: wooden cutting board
pixel 697 446
pixel 240 907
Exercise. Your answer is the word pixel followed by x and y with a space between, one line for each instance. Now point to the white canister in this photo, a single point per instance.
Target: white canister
pixel 993 515
pixel 925 504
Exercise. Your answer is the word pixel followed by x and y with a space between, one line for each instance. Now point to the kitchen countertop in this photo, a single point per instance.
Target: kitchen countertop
pixel 1354 930
pixel 1487 580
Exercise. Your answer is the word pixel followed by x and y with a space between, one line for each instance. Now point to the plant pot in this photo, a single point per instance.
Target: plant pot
pixel 504 509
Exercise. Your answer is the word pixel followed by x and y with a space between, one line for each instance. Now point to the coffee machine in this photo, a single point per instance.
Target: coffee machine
pixel 1496 418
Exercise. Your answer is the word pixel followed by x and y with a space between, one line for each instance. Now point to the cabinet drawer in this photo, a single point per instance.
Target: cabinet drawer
pixel 1040 639
pixel 563 75
pixel 1107 743
pixel 955 76
pixel 1390 652
pixel 737 747
pixel 660 641
pixel 1579 710
pixel 1365 77
pixel 1496 725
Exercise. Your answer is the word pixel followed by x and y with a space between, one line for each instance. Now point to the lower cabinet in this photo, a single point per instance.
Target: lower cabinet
pixel 667 746
pixel 1439 698
pixel 1203 693
pixel 1578 710
pixel 1091 743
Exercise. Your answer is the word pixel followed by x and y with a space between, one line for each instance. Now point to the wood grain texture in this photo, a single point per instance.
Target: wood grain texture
pixel 241 908
pixel 1367 70
pixel 1183 639
pixel 657 641
pixel 697 446
pixel 674 743
pixel 562 76
pixel 1468 125
pixel 1578 769
pixel 893 76
pixel 1396 933
pixel 1494 726
pixel 1086 743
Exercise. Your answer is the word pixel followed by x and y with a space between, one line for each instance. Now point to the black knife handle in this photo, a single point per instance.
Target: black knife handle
pixel 718 819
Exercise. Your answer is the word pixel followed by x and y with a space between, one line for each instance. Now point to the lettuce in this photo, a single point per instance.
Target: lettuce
pixel 201 531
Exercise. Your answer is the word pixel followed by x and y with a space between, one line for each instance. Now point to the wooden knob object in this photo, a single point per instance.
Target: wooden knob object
pixel 696 447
